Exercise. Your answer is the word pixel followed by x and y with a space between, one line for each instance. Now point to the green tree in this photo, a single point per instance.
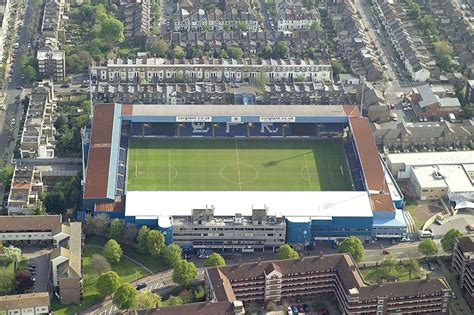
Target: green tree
pixel 443 47
pixel 142 239
pixel 445 62
pixel 184 273
pixel 242 26
pixel 447 242
pixel 156 242
pixel 412 266
pixel 54 202
pixel 147 299
pixel 160 48
pixel 30 73
pixel 427 247
pixel 107 283
pixel 6 174
pixel 281 50
pixel 337 66
pixel 316 26
pixel 116 229
pixel 178 52
pixel 6 282
pixel 109 29
pixel 235 52
pixel 214 260
pixel 112 251
pixel 389 262
pixel 12 253
pixel 172 254
pixel 125 297
pixel 267 51
pixel 286 252
pixel 352 245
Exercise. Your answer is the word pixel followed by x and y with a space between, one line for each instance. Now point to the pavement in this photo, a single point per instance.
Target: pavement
pixel 40 258
pixel 458 221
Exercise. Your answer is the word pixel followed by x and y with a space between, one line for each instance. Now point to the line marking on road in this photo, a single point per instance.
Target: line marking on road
pixel 238 164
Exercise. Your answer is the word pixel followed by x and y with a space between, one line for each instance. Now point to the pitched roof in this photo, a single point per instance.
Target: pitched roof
pixel 30 300
pixel 30 222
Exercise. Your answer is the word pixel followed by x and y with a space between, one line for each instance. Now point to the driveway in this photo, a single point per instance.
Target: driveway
pixel 459 221
pixel 41 260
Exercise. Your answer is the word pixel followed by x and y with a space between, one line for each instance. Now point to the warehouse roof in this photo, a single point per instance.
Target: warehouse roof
pixel 432 158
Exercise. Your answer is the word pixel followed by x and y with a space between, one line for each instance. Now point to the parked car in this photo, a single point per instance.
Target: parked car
pixel 306 308
pixel 385 251
pixel 141 286
pixel 294 309
pixel 290 311
pixel 438 221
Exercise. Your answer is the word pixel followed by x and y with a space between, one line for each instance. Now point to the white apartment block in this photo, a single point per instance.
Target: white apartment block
pixel 52 64
pixel 5 6
pixel 155 70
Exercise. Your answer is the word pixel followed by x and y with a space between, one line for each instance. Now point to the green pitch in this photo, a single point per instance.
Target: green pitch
pixel 236 164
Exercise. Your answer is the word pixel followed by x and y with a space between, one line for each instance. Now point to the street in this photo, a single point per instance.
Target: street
pixel 14 108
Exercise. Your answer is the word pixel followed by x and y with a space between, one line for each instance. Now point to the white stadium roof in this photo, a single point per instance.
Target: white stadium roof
pixel 314 204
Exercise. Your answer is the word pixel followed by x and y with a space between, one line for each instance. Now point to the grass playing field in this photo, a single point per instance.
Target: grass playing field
pixel 236 164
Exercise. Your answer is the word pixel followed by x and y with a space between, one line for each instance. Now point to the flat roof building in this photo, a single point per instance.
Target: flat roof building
pixel 463 264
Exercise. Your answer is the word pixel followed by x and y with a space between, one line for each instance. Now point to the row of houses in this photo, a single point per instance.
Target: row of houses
pixel 402 41
pixel 252 43
pixel 145 70
pixel 199 15
pixel 136 17
pixel 64 275
pixel 51 58
pixel 291 15
pixel 352 44
pixel 218 93
pixel 429 135
pixel 5 17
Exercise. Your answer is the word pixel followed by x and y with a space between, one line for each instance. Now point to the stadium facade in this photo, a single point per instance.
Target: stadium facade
pixel 241 220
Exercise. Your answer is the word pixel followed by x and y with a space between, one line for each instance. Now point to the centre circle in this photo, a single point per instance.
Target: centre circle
pixel 239 173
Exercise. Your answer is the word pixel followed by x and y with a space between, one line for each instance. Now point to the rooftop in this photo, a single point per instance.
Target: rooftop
pixel 432 158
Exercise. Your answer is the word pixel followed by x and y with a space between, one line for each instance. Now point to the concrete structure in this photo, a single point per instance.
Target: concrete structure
pixel 463 264
pixel 5 6
pixel 26 187
pixel 427 103
pixel 145 70
pixel 373 213
pixel 37 139
pixel 136 19
pixel 470 91
pixel 25 304
pixel 52 64
pixel 66 257
pixel 337 275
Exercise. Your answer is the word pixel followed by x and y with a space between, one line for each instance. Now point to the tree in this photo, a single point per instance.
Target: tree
pixel 337 66
pixel 142 239
pixel 147 299
pixel 130 234
pixel 267 51
pixel 109 29
pixel 178 52
pixel 286 252
pixel 445 62
pixel 54 202
pixel 428 247
pixel 389 262
pixel 235 52
pixel 99 264
pixel 156 242
pixel 261 82
pixel 108 283
pixel 242 26
pixel 172 254
pixel 125 297
pixel 12 253
pixel 352 245
pixel 112 251
pixel 447 242
pixel 6 174
pixel 316 26
pixel 101 224
pixel 5 282
pixel 116 229
pixel 23 281
pixel 281 50
pixel 160 48
pixel 214 260
pixel 30 73
pixel 184 273
pixel 412 266
pixel 443 47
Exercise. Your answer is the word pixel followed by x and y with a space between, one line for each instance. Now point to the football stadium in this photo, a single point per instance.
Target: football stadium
pixel 240 177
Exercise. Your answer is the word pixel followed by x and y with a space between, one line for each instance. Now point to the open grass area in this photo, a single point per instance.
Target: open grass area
pixel 127 270
pixel 412 210
pixel 9 270
pixel 237 164
pixel 399 273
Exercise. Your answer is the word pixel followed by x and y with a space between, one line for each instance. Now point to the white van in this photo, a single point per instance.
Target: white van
pixel 451 117
pixel 426 234
pixel 394 116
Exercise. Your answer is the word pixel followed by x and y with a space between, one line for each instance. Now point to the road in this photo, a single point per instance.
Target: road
pixel 266 17
pixel 160 283
pixel 14 108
